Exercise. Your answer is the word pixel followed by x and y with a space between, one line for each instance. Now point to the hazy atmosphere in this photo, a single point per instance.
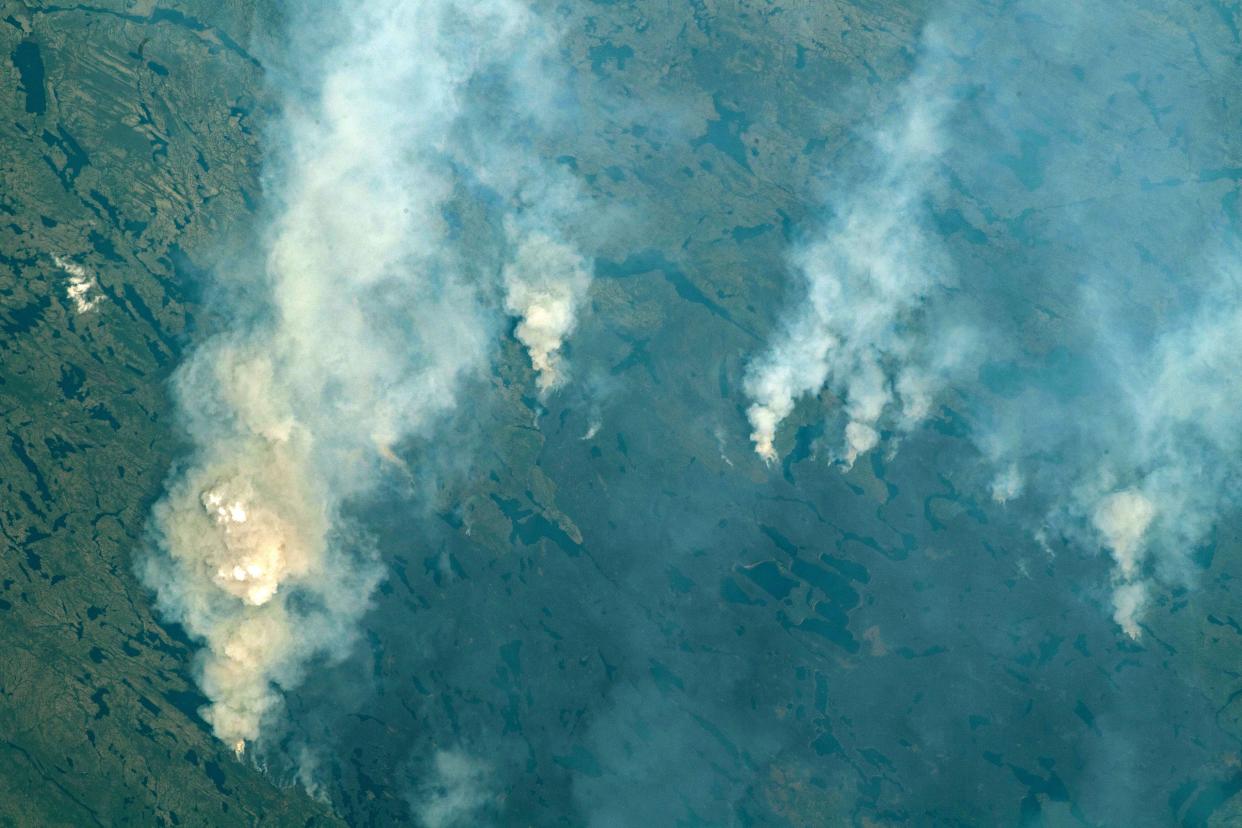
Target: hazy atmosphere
pixel 511 413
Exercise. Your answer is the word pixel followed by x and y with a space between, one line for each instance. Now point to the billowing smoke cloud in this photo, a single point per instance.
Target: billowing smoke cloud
pixel 866 276
pixel 376 313
pixel 545 276
pixel 1102 390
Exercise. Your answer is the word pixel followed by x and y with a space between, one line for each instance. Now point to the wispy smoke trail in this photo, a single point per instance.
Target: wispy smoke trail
pixel 376 314
pixel 866 276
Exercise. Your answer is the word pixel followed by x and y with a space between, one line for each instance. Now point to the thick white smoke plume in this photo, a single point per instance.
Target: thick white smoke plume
pixel 1164 452
pixel 376 315
pixel 545 284
pixel 866 277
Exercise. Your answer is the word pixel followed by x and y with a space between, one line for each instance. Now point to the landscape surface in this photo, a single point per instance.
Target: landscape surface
pixel 599 605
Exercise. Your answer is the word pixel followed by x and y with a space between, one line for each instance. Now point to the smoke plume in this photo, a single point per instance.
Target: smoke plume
pixel 865 277
pixel 1108 401
pixel 545 284
pixel 1122 519
pixel 374 313
pixel 1176 448
pixel 1082 339
pixel 545 276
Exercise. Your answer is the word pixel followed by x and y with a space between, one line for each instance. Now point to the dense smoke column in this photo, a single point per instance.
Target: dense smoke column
pixel 375 316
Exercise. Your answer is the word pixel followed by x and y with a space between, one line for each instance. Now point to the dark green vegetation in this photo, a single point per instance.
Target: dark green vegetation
pixel 646 626
pixel 128 139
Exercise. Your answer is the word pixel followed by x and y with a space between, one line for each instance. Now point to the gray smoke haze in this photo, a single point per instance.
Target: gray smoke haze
pixel 376 315
pixel 1046 295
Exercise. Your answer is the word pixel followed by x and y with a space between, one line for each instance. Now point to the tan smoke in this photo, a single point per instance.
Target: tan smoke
pixel 371 317
pixel 244 532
